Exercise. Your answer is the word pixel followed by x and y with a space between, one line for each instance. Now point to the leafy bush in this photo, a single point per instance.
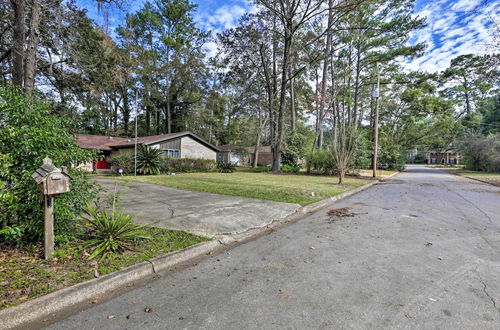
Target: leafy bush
pixel 28 134
pixel 481 153
pixel 111 232
pixel 149 160
pixel 295 150
pixel 123 160
pixel 290 169
pixel 225 167
pixel 188 165
pixel 11 234
pixel 321 161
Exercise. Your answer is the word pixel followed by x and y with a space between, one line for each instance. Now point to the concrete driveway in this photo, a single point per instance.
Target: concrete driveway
pixel 421 252
pixel 196 212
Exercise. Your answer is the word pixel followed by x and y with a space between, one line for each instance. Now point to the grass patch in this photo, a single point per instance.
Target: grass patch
pixel 380 173
pixel 276 187
pixel 24 274
pixel 484 176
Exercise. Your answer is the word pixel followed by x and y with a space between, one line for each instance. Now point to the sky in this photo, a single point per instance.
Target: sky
pixel 454 27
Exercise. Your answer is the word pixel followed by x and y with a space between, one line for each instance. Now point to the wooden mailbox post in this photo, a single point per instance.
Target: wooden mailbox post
pixel 51 181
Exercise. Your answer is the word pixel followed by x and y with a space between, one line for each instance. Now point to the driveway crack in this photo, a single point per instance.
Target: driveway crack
pixel 493 301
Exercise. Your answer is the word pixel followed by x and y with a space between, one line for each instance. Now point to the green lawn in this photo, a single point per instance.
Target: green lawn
pixel 25 275
pixel 484 176
pixel 276 187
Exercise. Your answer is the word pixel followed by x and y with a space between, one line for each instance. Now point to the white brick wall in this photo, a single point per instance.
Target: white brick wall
pixel 193 149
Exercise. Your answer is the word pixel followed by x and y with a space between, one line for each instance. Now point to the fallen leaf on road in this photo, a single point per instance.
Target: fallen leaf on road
pixel 182 318
pixel 340 213
pixel 148 309
pixel 95 300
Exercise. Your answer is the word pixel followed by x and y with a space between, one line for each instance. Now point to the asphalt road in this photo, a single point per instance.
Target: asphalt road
pixel 422 252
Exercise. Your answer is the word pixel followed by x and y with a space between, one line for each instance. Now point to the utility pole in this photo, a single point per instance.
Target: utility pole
pixel 376 95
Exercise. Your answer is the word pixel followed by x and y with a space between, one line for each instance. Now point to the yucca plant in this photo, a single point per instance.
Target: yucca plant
pixel 149 160
pixel 111 232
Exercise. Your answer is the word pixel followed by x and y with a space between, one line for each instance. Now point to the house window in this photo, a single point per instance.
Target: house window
pixel 174 153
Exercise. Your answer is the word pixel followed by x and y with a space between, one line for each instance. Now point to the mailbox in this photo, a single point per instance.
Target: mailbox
pixel 51 180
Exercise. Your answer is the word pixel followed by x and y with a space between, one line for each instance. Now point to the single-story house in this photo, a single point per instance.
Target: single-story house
pixel 447 157
pixel 244 156
pixel 177 145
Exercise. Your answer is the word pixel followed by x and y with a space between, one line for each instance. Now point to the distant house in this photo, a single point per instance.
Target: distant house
pixel 244 156
pixel 446 157
pixel 234 154
pixel 177 145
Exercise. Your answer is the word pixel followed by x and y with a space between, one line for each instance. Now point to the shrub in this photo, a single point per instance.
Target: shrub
pixel 111 232
pixel 28 134
pixel 149 160
pixel 321 161
pixel 290 169
pixel 225 167
pixel 188 165
pixel 481 153
pixel 123 160
pixel 295 150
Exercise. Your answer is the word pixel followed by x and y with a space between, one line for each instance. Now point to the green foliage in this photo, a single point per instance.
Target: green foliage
pixel 149 160
pixel 11 234
pixel 123 160
pixel 188 165
pixel 320 161
pixel 290 169
pixel 480 153
pixel 491 119
pixel 295 149
pixel 28 134
pixel 362 150
pixel 391 157
pixel 225 167
pixel 111 232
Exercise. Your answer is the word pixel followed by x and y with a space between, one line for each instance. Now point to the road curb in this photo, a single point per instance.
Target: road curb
pixel 41 311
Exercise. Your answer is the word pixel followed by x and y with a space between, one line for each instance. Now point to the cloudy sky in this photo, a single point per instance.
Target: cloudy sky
pixel 454 27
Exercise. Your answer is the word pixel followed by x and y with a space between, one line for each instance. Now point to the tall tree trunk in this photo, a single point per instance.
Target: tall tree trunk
pixel 467 97
pixel 256 151
pixel 322 96
pixel 356 83
pixel 168 118
pixel 18 47
pixel 280 136
pixel 126 110
pixel 34 37
pixel 148 119
pixel 293 114
pixel 158 121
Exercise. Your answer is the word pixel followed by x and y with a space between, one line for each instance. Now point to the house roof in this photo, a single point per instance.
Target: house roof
pixel 228 147
pixel 86 141
pixel 261 149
